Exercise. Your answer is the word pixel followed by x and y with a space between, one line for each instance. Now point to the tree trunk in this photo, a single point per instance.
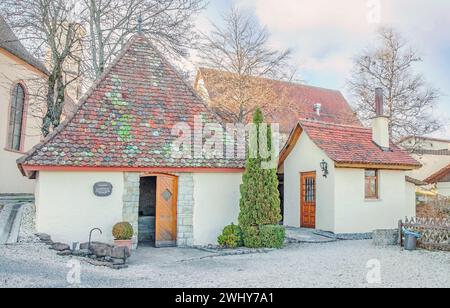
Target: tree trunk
pixel 60 98
pixel 55 101
pixel 47 120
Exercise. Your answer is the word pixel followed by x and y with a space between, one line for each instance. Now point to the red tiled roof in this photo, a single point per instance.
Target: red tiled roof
pixel 296 101
pixel 442 175
pixel 353 145
pixel 126 119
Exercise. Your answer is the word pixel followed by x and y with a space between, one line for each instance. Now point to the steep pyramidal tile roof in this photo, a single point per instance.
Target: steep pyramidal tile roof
pixel 294 101
pixel 126 119
pixel 11 43
pixel 353 145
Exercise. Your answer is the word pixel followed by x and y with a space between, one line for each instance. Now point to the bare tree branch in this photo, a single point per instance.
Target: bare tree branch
pixel 410 100
pixel 240 48
pixel 169 23
pixel 49 27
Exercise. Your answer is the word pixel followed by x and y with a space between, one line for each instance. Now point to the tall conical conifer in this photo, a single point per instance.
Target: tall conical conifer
pixel 260 198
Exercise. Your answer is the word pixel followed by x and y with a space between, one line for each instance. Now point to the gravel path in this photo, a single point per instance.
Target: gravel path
pixel 27 226
pixel 339 264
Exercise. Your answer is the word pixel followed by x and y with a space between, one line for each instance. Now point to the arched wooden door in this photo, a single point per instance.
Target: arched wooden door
pixel 166 211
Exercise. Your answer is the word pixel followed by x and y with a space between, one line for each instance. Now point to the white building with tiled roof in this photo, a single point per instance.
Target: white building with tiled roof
pixel 346 179
pixel 21 75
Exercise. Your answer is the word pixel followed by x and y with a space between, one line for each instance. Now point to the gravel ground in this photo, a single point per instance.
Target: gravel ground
pixel 338 264
pixel 27 225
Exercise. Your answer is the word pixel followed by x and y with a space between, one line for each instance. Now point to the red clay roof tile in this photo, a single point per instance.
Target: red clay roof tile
pixel 296 101
pixel 126 118
pixel 354 145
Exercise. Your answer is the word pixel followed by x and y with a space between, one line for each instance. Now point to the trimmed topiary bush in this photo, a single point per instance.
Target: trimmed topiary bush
pixel 123 231
pixel 272 236
pixel 231 237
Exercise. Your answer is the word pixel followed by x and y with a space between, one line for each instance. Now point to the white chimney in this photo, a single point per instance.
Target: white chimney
pixel 380 125
pixel 318 109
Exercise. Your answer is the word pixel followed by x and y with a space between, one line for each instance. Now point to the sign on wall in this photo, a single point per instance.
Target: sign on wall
pixel 103 189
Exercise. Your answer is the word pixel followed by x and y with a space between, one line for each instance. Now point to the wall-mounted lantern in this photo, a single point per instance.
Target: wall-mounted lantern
pixel 324 167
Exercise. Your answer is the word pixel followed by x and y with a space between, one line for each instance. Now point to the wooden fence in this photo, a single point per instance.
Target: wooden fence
pixel 435 233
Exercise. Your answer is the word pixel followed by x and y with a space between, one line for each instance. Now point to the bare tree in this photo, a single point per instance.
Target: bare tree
pixel 48 25
pixel 410 101
pixel 169 23
pixel 241 49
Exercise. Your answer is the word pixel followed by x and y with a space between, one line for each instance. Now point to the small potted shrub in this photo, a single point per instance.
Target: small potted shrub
pixel 123 235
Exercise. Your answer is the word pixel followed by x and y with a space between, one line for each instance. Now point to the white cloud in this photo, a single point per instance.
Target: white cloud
pixel 327 34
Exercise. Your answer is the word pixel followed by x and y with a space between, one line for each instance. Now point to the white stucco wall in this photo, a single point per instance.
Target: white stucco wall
pixel 306 157
pixel 443 188
pixel 12 71
pixel 411 203
pixel 355 214
pixel 67 209
pixel 216 204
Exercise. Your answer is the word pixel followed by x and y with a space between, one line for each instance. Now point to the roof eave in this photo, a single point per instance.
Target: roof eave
pixel 41 70
pixel 290 144
pixel 436 177
pixel 388 166
pixel 30 170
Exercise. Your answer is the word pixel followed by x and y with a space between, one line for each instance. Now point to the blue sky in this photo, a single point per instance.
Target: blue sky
pixel 325 35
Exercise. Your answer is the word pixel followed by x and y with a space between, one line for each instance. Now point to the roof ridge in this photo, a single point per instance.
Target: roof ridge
pixel 80 104
pixel 332 124
pixel 293 83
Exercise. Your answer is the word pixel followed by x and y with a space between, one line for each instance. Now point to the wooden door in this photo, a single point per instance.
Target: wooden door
pixel 308 200
pixel 166 211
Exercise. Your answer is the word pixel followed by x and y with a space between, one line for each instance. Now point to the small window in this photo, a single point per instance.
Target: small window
pixel 16 118
pixel 371 185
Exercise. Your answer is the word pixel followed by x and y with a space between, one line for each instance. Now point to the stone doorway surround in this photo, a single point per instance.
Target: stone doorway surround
pixel 185 208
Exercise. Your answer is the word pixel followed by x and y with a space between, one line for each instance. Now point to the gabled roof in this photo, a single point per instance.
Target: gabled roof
pixel 126 118
pixel 296 101
pixel 10 43
pixel 442 175
pixel 350 146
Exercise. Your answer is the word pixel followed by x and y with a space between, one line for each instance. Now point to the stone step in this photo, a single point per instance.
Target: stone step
pixel 10 220
pixel 16 198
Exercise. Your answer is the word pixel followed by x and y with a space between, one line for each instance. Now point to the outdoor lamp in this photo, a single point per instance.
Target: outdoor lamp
pixel 324 167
